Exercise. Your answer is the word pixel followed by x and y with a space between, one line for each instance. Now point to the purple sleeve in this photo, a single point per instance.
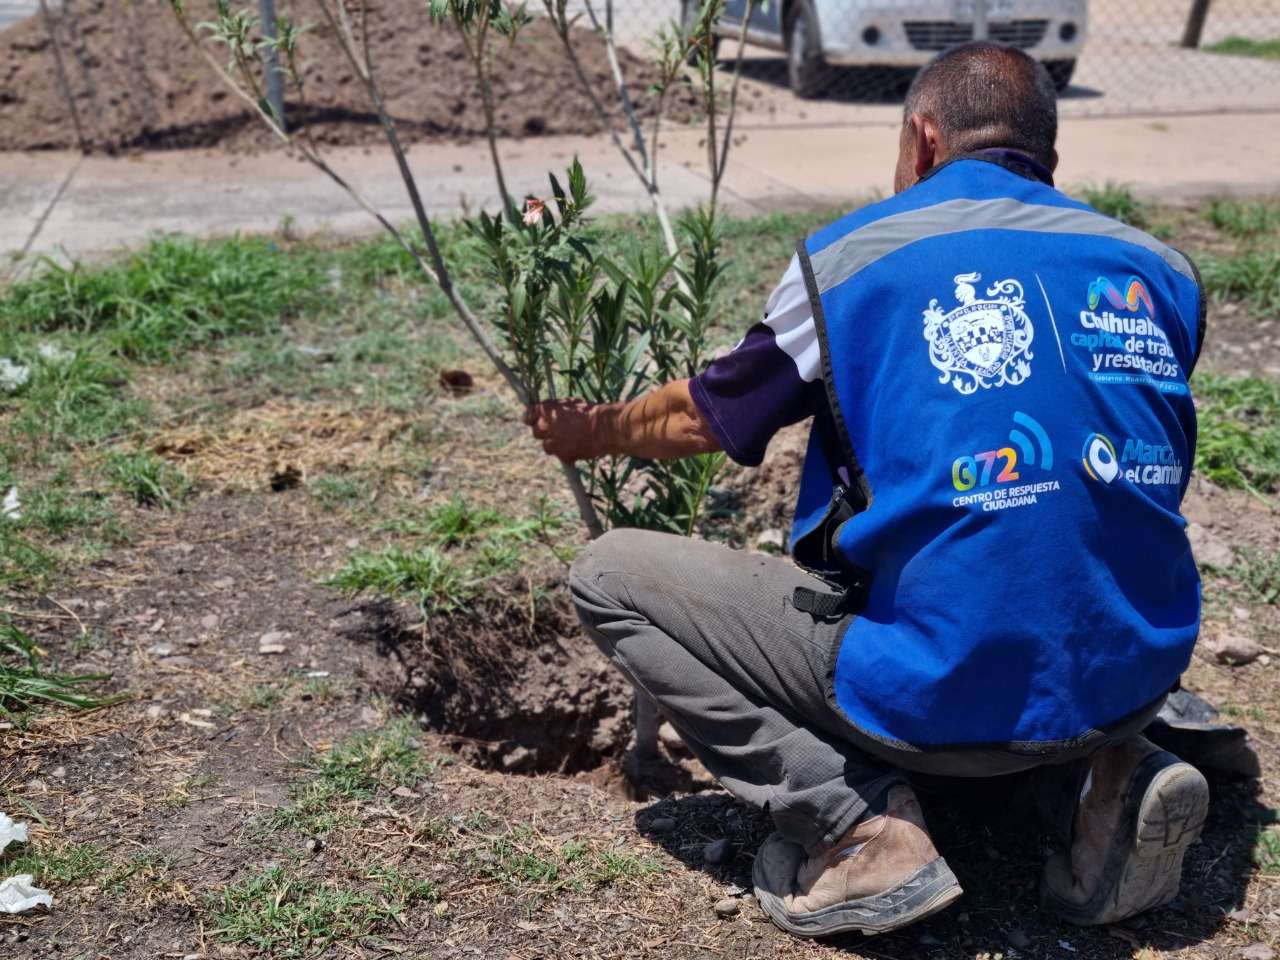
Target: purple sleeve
pixel 768 381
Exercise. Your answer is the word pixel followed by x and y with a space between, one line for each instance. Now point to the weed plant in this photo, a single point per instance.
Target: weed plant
pixel 1116 200
pixel 1252 277
pixel 24 684
pixel 147 480
pixel 1242 219
pixel 1239 431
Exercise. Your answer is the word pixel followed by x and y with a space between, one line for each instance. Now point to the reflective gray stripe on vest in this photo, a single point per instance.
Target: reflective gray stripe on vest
pixel 838 262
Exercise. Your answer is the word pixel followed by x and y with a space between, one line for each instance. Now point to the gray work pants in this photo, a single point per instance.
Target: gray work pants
pixel 711 635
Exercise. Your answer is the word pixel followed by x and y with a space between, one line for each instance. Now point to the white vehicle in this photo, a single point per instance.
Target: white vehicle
pixel 820 34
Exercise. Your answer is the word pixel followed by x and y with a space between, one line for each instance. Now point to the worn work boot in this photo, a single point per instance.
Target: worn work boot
pixel 883 874
pixel 1137 812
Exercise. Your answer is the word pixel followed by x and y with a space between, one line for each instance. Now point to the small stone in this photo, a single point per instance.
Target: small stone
pixel 1243 915
pixel 223 583
pixel 1240 613
pixel 1257 951
pixel 59 772
pixel 160 650
pixel 1233 650
pixel 771 541
pixel 728 907
pixel 661 825
pixel 273 642
pixel 716 852
pixel 155 711
pixel 404 793
pixel 210 621
pixel 1018 939
pixel 180 660
pixel 1209 550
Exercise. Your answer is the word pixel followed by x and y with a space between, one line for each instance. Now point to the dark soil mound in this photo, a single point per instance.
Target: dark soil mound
pixel 139 85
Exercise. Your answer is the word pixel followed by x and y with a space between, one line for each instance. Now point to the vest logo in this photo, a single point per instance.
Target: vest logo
pixel 1124 344
pixel 1138 462
pixel 980 479
pixel 981 343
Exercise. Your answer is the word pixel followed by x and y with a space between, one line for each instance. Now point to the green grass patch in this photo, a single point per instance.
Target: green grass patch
pixel 282 914
pixel 1116 200
pixel 436 582
pixel 1243 219
pixel 435 574
pixel 352 772
pixel 1252 277
pixel 174 294
pixel 1246 47
pixel 1266 850
pixel 147 480
pixel 1239 433
pixel 69 396
pixel 56 865
pixel 526 863
pixel 1257 575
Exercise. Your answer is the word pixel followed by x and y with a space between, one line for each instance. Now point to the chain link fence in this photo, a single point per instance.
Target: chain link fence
pixel 129 84
pixel 1106 56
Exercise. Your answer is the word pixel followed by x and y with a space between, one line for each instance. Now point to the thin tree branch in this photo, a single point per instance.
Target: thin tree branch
pixel 717 172
pixel 51 28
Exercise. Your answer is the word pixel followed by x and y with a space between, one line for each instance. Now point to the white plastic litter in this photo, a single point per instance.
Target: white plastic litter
pixel 55 354
pixel 11 509
pixel 18 894
pixel 11 832
pixel 13 375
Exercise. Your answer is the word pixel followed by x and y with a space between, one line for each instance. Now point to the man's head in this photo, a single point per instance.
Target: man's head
pixel 974 97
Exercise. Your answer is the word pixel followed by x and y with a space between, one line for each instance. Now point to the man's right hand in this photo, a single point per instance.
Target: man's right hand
pixel 662 425
pixel 565 429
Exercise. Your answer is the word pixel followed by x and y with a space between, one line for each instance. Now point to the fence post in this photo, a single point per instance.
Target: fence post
pixel 980 31
pixel 271 59
pixel 1195 23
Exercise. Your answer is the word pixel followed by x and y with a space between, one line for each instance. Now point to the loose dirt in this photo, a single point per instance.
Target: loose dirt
pixel 138 85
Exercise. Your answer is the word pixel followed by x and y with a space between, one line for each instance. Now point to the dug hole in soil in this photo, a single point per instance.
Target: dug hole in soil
pixel 137 83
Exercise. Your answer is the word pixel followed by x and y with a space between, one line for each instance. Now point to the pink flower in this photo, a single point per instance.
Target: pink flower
pixel 533 210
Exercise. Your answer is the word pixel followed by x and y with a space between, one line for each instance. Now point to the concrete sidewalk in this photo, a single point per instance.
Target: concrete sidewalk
pixel 59 203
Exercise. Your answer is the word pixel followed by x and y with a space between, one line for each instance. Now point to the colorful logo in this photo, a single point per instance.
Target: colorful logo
pixel 1031 447
pixel 1099 458
pixel 1135 295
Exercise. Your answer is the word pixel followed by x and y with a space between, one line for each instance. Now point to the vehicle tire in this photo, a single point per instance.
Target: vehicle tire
pixel 807 72
pixel 1061 71
pixel 688 17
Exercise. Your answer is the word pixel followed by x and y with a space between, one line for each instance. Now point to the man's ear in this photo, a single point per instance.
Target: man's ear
pixel 928 143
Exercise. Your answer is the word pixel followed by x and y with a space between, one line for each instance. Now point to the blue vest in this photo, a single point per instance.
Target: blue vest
pixel 1012 432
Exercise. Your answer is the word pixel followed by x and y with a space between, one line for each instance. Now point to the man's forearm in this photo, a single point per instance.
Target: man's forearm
pixel 661 425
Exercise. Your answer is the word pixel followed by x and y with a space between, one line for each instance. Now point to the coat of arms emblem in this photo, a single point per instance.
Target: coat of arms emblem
pixel 981 343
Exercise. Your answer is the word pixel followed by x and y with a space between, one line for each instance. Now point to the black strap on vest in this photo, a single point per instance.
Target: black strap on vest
pixel 849 598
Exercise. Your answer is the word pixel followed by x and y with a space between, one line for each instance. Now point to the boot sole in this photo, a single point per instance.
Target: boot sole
pixel 1165 813
pixel 928 890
